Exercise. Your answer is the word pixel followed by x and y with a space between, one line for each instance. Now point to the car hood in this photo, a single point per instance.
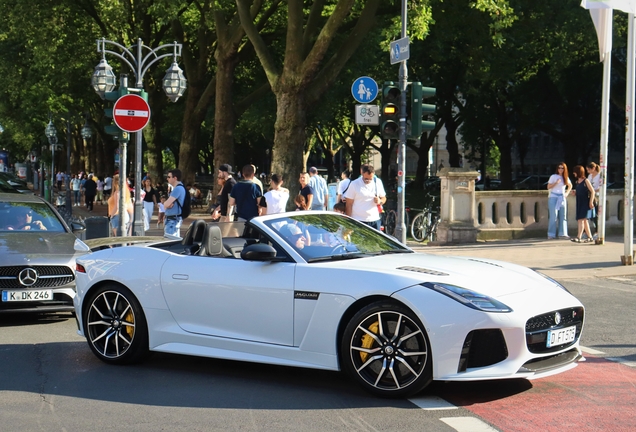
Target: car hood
pixel 39 247
pixel 494 278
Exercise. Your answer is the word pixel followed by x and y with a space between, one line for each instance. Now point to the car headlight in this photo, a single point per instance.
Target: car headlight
pixel 470 298
pixel 555 282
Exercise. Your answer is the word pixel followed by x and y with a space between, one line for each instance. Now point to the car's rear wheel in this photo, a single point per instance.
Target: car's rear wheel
pixel 386 349
pixel 115 326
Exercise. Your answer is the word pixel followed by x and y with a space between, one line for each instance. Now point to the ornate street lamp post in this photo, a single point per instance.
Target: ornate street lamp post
pixel 174 84
pixel 51 134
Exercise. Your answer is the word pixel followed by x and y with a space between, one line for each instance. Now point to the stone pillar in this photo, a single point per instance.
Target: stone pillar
pixel 457 206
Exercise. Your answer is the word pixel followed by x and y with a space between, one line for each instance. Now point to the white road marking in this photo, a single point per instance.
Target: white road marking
pixel 432 403
pixel 591 351
pixel 468 424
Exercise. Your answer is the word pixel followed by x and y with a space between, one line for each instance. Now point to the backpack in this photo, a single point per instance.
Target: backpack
pixel 186 208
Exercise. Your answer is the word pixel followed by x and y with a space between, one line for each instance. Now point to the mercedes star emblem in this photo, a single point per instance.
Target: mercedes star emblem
pixel 28 276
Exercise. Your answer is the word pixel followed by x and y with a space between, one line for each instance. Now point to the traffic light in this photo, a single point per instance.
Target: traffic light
pixel 419 109
pixel 112 129
pixel 390 110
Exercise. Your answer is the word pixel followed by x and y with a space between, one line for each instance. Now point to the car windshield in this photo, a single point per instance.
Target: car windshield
pixel 330 236
pixel 32 216
pixel 6 187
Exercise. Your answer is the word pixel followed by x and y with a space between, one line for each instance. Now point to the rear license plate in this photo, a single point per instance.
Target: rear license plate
pixel 31 295
pixel 561 336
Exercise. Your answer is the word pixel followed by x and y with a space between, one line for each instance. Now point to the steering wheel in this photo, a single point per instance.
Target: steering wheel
pixel 338 249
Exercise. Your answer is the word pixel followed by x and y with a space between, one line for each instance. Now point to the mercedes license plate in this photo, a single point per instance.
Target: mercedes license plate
pixel 30 295
pixel 561 336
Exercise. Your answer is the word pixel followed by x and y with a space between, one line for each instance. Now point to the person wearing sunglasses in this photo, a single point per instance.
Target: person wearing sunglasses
pixel 559 186
pixel 23 221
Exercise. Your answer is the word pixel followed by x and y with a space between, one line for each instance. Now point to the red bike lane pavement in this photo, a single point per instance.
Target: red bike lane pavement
pixel 597 395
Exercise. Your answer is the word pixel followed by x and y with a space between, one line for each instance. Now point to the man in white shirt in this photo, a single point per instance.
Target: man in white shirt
pixel 343 185
pixel 365 197
pixel 319 185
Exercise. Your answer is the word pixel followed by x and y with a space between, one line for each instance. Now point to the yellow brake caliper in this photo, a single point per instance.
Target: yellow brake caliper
pixel 367 341
pixel 131 319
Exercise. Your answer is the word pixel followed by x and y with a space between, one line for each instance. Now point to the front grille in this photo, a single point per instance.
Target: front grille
pixel 48 276
pixel 537 328
pixel 482 348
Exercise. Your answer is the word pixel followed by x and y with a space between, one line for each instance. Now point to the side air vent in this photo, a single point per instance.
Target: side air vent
pixel 423 270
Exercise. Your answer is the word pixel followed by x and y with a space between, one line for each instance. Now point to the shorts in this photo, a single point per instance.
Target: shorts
pixel 114 222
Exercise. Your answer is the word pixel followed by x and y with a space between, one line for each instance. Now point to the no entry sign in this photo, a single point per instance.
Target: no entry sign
pixel 131 113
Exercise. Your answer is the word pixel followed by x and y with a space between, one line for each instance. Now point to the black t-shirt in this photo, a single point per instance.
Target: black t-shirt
pixel 225 195
pixel 150 194
pixel 90 187
pixel 305 192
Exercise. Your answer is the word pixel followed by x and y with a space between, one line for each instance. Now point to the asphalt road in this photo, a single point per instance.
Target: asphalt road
pixel 49 380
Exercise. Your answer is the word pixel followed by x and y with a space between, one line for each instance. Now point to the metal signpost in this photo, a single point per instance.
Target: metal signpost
pixel 400 54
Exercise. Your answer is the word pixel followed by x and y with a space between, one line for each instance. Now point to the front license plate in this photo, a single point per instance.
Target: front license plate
pixel 19 296
pixel 561 336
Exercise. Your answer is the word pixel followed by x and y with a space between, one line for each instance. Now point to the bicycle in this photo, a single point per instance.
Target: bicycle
pixel 424 226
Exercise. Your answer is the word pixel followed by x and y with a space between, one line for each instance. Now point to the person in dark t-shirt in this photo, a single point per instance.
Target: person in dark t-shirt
pixel 222 210
pixel 246 195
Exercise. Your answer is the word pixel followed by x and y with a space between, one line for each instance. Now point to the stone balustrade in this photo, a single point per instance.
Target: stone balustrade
pixel 469 215
pixel 521 214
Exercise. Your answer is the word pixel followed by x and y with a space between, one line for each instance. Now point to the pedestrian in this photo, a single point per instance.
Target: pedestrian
pixel 594 176
pixel 301 202
pixel 174 204
pixel 161 217
pixel 246 195
pixel 83 178
pixel 75 187
pixel 257 180
pixel 365 197
pixel 275 200
pixel 306 191
pixel 108 184
pixel 559 186
pixel 60 179
pixel 113 208
pixel 225 211
pixel 321 190
pixel 90 190
pixel 584 204
pixel 345 181
pixel 216 205
pixel 150 201
pixel 99 198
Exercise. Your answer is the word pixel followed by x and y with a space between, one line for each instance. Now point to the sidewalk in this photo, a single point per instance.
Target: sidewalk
pixel 560 259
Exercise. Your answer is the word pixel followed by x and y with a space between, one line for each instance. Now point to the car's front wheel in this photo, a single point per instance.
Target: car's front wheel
pixel 115 326
pixel 386 349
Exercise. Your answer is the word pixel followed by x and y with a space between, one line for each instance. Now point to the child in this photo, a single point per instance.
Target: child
pixel 339 207
pixel 162 212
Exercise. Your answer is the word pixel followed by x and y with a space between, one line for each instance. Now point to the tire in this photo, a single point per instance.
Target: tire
pixel 385 349
pixel 115 326
pixel 419 227
pixel 389 222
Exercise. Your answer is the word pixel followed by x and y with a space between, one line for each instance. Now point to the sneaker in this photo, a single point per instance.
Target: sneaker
pixel 564 237
pixel 551 238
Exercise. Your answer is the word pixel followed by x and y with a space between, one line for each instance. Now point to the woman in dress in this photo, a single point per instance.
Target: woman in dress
pixel 594 176
pixel 559 186
pixel 584 203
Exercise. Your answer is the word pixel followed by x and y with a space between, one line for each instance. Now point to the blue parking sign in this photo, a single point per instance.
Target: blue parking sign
pixel 364 89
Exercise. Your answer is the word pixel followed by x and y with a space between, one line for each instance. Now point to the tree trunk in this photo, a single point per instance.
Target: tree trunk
pixel 189 149
pixel 153 137
pixel 224 115
pixel 289 139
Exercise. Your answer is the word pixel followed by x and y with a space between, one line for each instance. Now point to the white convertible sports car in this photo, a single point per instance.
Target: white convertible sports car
pixel 321 290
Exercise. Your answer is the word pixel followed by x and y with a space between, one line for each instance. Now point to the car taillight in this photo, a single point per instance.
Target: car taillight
pixel 79 268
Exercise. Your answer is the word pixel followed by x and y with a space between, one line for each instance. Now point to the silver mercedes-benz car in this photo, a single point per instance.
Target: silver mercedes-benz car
pixel 37 256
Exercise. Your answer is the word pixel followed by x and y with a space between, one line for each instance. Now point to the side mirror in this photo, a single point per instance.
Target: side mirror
pixel 77 227
pixel 258 252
